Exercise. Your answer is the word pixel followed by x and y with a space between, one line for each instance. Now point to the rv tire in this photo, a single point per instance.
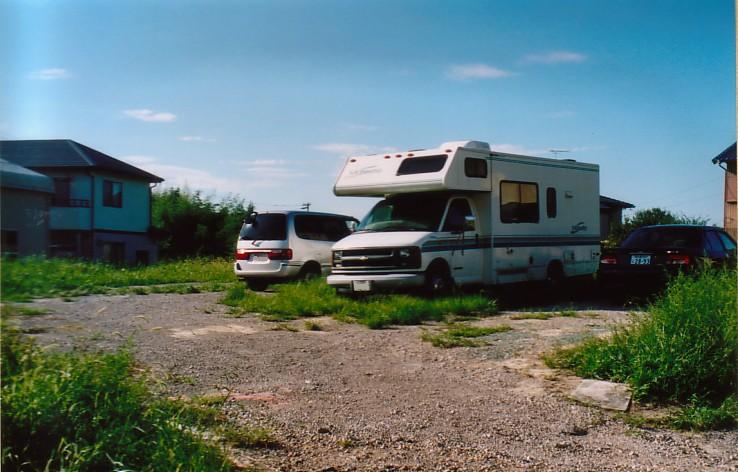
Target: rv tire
pixel 555 275
pixel 438 280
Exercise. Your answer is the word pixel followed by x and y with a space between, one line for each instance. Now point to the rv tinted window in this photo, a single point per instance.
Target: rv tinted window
pixel 518 202
pixel 268 226
pixel 321 228
pixel 474 167
pixel 551 202
pixel 421 165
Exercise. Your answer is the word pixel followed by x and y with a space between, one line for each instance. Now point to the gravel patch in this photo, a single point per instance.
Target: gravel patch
pixel 351 399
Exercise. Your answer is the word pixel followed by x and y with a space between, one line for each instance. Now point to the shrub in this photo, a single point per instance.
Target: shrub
pixel 685 346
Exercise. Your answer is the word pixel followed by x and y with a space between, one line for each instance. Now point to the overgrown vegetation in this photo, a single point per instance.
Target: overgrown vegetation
pixel 81 411
pixel 33 277
pixel 316 298
pixel 682 350
pixel 462 335
pixel 188 224
pixel 647 217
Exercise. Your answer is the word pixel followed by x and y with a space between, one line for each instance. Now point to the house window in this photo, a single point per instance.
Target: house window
pixel 518 202
pixel 9 243
pixel 113 252
pixel 551 202
pixel 474 167
pixel 112 194
pixel 62 191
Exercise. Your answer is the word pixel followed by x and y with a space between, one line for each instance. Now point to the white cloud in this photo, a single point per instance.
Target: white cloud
pixel 191 178
pixel 270 172
pixel 476 71
pixel 199 139
pixel 553 57
pixel 144 114
pixel 351 149
pixel 50 74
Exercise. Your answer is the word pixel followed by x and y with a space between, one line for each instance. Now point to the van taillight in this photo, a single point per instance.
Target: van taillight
pixel 280 254
pixel 272 254
pixel 678 259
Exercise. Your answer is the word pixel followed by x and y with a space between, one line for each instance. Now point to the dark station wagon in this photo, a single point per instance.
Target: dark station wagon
pixel 653 253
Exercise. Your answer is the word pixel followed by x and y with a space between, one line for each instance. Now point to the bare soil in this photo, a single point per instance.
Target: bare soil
pixel 349 398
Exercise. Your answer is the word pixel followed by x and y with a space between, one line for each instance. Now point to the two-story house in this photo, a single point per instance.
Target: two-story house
pixel 101 206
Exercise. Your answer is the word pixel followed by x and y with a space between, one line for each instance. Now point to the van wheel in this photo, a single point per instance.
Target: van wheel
pixel 438 281
pixel 257 285
pixel 310 271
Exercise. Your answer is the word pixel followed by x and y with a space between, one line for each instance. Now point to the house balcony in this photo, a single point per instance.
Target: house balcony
pixel 70 217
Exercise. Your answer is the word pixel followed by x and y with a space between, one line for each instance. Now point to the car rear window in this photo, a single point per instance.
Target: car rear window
pixel 268 226
pixel 321 228
pixel 657 238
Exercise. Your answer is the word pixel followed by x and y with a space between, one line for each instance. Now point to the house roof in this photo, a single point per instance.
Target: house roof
pixel 55 153
pixel 607 202
pixel 728 155
pixel 18 177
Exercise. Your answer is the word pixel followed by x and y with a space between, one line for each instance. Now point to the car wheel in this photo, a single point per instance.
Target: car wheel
pixel 438 281
pixel 257 285
pixel 309 272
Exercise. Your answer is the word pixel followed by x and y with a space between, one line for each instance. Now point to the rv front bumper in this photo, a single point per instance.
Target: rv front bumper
pixel 376 281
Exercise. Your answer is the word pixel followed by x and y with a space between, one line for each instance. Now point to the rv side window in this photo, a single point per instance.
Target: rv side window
pixel 551 202
pixel 518 202
pixel 457 216
pixel 474 167
pixel 421 165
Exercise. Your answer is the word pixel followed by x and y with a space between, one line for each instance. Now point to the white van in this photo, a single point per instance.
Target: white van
pixel 462 214
pixel 285 245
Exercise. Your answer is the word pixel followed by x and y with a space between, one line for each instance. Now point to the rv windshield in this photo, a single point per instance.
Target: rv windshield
pixel 410 212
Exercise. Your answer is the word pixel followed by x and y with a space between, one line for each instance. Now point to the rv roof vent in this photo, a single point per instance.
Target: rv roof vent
pixel 466 144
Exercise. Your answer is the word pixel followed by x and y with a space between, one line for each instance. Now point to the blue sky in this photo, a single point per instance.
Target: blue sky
pixel 265 98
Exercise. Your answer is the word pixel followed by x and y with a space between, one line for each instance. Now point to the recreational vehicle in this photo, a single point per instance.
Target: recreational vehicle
pixel 462 214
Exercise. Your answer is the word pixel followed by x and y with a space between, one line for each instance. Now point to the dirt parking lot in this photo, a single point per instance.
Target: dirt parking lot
pixel 349 398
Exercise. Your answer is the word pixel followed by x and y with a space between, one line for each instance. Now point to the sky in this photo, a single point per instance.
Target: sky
pixel 264 100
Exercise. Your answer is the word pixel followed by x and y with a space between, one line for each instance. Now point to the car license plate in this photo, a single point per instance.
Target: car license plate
pixel 362 285
pixel 640 260
pixel 259 258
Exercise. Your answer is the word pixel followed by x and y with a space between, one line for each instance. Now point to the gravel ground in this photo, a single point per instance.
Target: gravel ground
pixel 349 398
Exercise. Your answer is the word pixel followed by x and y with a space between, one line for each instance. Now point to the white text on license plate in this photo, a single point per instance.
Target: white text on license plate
pixel 640 260
pixel 362 286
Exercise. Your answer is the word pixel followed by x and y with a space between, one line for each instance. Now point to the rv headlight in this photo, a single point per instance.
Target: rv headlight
pixel 405 253
pixel 336 258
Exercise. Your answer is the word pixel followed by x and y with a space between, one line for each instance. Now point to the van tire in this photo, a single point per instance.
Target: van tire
pixel 257 285
pixel 310 271
pixel 438 279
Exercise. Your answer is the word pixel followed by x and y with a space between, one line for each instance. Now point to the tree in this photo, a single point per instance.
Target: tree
pixel 648 217
pixel 187 224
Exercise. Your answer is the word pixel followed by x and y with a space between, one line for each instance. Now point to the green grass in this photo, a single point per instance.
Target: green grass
pixel 461 335
pixel 683 348
pixel 316 298
pixel 34 277
pixel 22 310
pixel 313 326
pixel 84 411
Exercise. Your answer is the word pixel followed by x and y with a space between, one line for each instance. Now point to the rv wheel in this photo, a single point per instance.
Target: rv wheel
pixel 437 280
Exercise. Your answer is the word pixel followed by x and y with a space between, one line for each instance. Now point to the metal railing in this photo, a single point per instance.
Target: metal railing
pixel 70 202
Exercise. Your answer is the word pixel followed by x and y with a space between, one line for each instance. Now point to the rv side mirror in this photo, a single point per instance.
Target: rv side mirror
pixel 250 219
pixel 352 224
pixel 470 223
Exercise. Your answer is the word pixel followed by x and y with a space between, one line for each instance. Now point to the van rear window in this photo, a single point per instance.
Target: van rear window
pixel 268 226
pixel 421 165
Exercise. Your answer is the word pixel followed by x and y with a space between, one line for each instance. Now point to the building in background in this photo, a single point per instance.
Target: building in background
pixel 726 160
pixel 100 208
pixel 25 198
pixel 611 213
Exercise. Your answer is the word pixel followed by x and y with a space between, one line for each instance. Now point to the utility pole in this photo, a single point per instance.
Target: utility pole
pixel 306 206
